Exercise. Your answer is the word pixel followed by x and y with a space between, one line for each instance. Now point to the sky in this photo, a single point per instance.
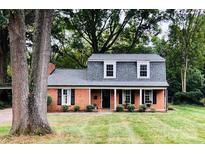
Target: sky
pixel 165 29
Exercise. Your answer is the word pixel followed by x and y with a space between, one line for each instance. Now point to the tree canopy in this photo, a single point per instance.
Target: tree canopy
pixel 76 34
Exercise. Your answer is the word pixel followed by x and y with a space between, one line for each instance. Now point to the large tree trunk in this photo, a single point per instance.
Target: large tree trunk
pixel 41 57
pixel 20 88
pixel 184 75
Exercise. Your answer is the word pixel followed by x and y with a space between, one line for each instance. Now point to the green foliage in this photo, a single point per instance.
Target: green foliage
pixel 76 108
pixel 148 105
pixel 191 97
pixel 183 50
pixel 90 108
pixel 49 100
pixel 65 108
pixel 170 108
pixel 119 108
pixel 131 108
pixel 79 33
pixel 1 105
pixel 142 108
pixel 195 79
pixel 4 18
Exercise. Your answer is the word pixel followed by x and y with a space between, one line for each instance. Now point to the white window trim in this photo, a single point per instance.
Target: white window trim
pixel 114 69
pixel 68 94
pixel 123 96
pixel 138 69
pixel 151 96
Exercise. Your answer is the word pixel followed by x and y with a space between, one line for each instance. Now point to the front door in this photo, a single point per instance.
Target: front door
pixel 106 98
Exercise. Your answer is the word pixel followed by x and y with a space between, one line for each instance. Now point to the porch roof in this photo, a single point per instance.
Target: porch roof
pixel 77 77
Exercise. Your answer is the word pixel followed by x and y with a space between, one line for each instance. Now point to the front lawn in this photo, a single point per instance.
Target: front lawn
pixel 186 124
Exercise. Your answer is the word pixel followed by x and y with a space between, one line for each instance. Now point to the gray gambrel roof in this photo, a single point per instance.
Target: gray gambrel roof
pixel 77 77
pixel 126 57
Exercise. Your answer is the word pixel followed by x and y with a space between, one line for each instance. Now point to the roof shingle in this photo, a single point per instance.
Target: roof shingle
pixel 126 57
pixel 77 77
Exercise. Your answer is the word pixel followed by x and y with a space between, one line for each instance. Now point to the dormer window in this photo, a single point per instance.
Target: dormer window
pixel 109 69
pixel 143 69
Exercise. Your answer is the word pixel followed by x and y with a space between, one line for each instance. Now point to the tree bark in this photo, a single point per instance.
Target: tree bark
pixel 184 75
pixel 20 88
pixel 40 59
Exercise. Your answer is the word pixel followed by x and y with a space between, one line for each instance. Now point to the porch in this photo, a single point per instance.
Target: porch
pixel 109 99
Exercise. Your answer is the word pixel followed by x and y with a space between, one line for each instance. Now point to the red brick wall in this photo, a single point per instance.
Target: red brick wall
pixel 96 93
pixel 53 107
pixel 51 68
pixel 160 105
pixel 137 99
pixel 111 99
pixel 82 98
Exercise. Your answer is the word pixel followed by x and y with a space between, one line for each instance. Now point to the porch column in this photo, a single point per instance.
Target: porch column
pixel 115 102
pixel 89 96
pixel 140 96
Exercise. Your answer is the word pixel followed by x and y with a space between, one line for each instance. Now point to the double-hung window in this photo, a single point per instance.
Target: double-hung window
pixel 109 69
pixel 143 69
pixel 127 96
pixel 66 97
pixel 148 96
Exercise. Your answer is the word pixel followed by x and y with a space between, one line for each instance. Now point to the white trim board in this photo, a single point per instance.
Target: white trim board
pixel 138 88
pixel 68 96
pixel 138 69
pixel 105 70
pixel 132 60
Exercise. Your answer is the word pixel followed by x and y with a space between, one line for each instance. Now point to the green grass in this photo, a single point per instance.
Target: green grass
pixel 186 124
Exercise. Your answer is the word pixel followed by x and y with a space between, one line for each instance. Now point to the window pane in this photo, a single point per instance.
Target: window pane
pixel 109 73
pixel 65 92
pixel 109 67
pixel 127 95
pixel 65 96
pixel 148 96
pixel 143 67
pixel 143 70
pixel 109 70
pixel 143 73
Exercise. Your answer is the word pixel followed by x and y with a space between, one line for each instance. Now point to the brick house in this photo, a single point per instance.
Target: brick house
pixel 110 80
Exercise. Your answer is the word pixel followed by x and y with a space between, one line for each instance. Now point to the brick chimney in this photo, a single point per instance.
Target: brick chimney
pixel 51 68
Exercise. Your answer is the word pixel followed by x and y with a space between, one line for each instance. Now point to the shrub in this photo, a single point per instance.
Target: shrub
pixel 49 100
pixel 191 97
pixel 119 108
pixel 90 108
pixel 76 108
pixel 65 108
pixel 170 108
pixel 95 106
pixel 148 105
pixel 131 108
pixel 142 108
pixel 1 105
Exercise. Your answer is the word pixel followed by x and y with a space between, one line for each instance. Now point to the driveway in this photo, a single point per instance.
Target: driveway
pixel 5 115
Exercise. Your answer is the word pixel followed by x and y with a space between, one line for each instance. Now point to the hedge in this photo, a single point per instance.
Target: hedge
pixel 191 97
